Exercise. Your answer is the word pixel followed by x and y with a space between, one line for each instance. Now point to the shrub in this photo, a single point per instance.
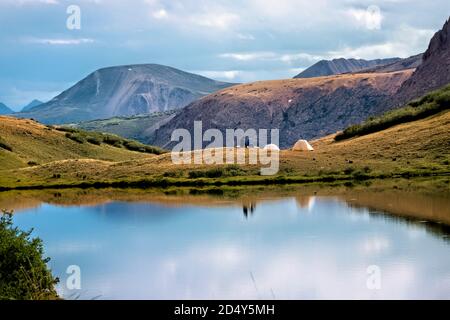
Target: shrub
pixel 212 173
pixel 94 140
pixel 112 141
pixel 24 274
pixel 173 174
pixel 428 105
pixel 230 171
pixel 349 170
pixel 67 129
pixel 75 137
pixel 32 163
pixel 154 150
pixel 134 146
pixel 139 147
pixel 5 146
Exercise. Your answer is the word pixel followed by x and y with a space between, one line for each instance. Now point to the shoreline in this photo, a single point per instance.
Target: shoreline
pixel 164 182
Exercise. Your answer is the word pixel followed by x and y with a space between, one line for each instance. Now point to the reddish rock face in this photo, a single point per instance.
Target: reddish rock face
pixel 434 72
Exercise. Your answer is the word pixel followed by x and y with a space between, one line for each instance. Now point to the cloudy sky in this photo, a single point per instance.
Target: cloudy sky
pixel 231 40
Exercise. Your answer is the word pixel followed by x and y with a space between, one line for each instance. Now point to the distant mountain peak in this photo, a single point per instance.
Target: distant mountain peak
pixel 31 105
pixel 4 109
pixel 125 90
pixel 342 65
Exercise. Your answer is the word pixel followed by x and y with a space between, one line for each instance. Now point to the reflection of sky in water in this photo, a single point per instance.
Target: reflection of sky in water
pixel 287 249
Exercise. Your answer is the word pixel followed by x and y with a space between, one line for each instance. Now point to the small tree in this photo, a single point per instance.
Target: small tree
pixel 24 274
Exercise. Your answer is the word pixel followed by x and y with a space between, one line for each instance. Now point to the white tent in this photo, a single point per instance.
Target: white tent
pixel 302 145
pixel 272 147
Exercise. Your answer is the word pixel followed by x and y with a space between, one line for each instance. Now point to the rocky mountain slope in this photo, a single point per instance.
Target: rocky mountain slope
pixel 341 65
pixel 125 91
pixel 4 109
pixel 407 63
pixel 300 108
pixel 434 72
pixel 31 105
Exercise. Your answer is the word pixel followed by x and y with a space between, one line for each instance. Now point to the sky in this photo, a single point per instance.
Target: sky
pixel 46 46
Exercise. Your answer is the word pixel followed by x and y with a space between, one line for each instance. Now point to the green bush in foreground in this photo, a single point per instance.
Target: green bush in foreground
pixel 428 105
pixel 24 274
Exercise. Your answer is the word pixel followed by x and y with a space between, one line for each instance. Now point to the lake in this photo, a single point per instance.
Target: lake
pixel 267 243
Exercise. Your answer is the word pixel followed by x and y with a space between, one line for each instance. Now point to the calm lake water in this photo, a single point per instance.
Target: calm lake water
pixel 279 247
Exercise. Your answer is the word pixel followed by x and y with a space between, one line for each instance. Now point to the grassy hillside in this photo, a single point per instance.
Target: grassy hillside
pixel 428 105
pixel 418 148
pixel 140 127
pixel 26 143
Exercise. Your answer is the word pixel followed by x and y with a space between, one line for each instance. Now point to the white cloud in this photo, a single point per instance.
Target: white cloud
pixel 404 42
pixel 29 2
pixel 61 41
pixel 370 18
pixel 160 14
pixel 217 20
pixel 272 56
pixel 245 36
pixel 249 56
pixel 290 58
pixel 229 75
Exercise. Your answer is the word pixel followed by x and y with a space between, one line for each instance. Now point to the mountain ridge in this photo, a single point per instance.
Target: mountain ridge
pixel 31 105
pixel 342 65
pixel 124 91
pixel 300 108
pixel 4 109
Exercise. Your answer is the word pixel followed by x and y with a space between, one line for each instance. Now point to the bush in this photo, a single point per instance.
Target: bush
pixel 428 105
pixel 24 274
pixel 75 137
pixel 154 150
pixel 112 141
pixel 67 129
pixel 4 145
pixel 229 171
pixel 94 140
pixel 349 170
pixel 134 146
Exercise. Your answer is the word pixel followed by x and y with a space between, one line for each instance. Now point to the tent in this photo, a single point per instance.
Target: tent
pixel 302 145
pixel 272 147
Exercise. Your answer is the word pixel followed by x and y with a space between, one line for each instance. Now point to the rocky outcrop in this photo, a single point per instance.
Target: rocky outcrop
pixel 434 72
